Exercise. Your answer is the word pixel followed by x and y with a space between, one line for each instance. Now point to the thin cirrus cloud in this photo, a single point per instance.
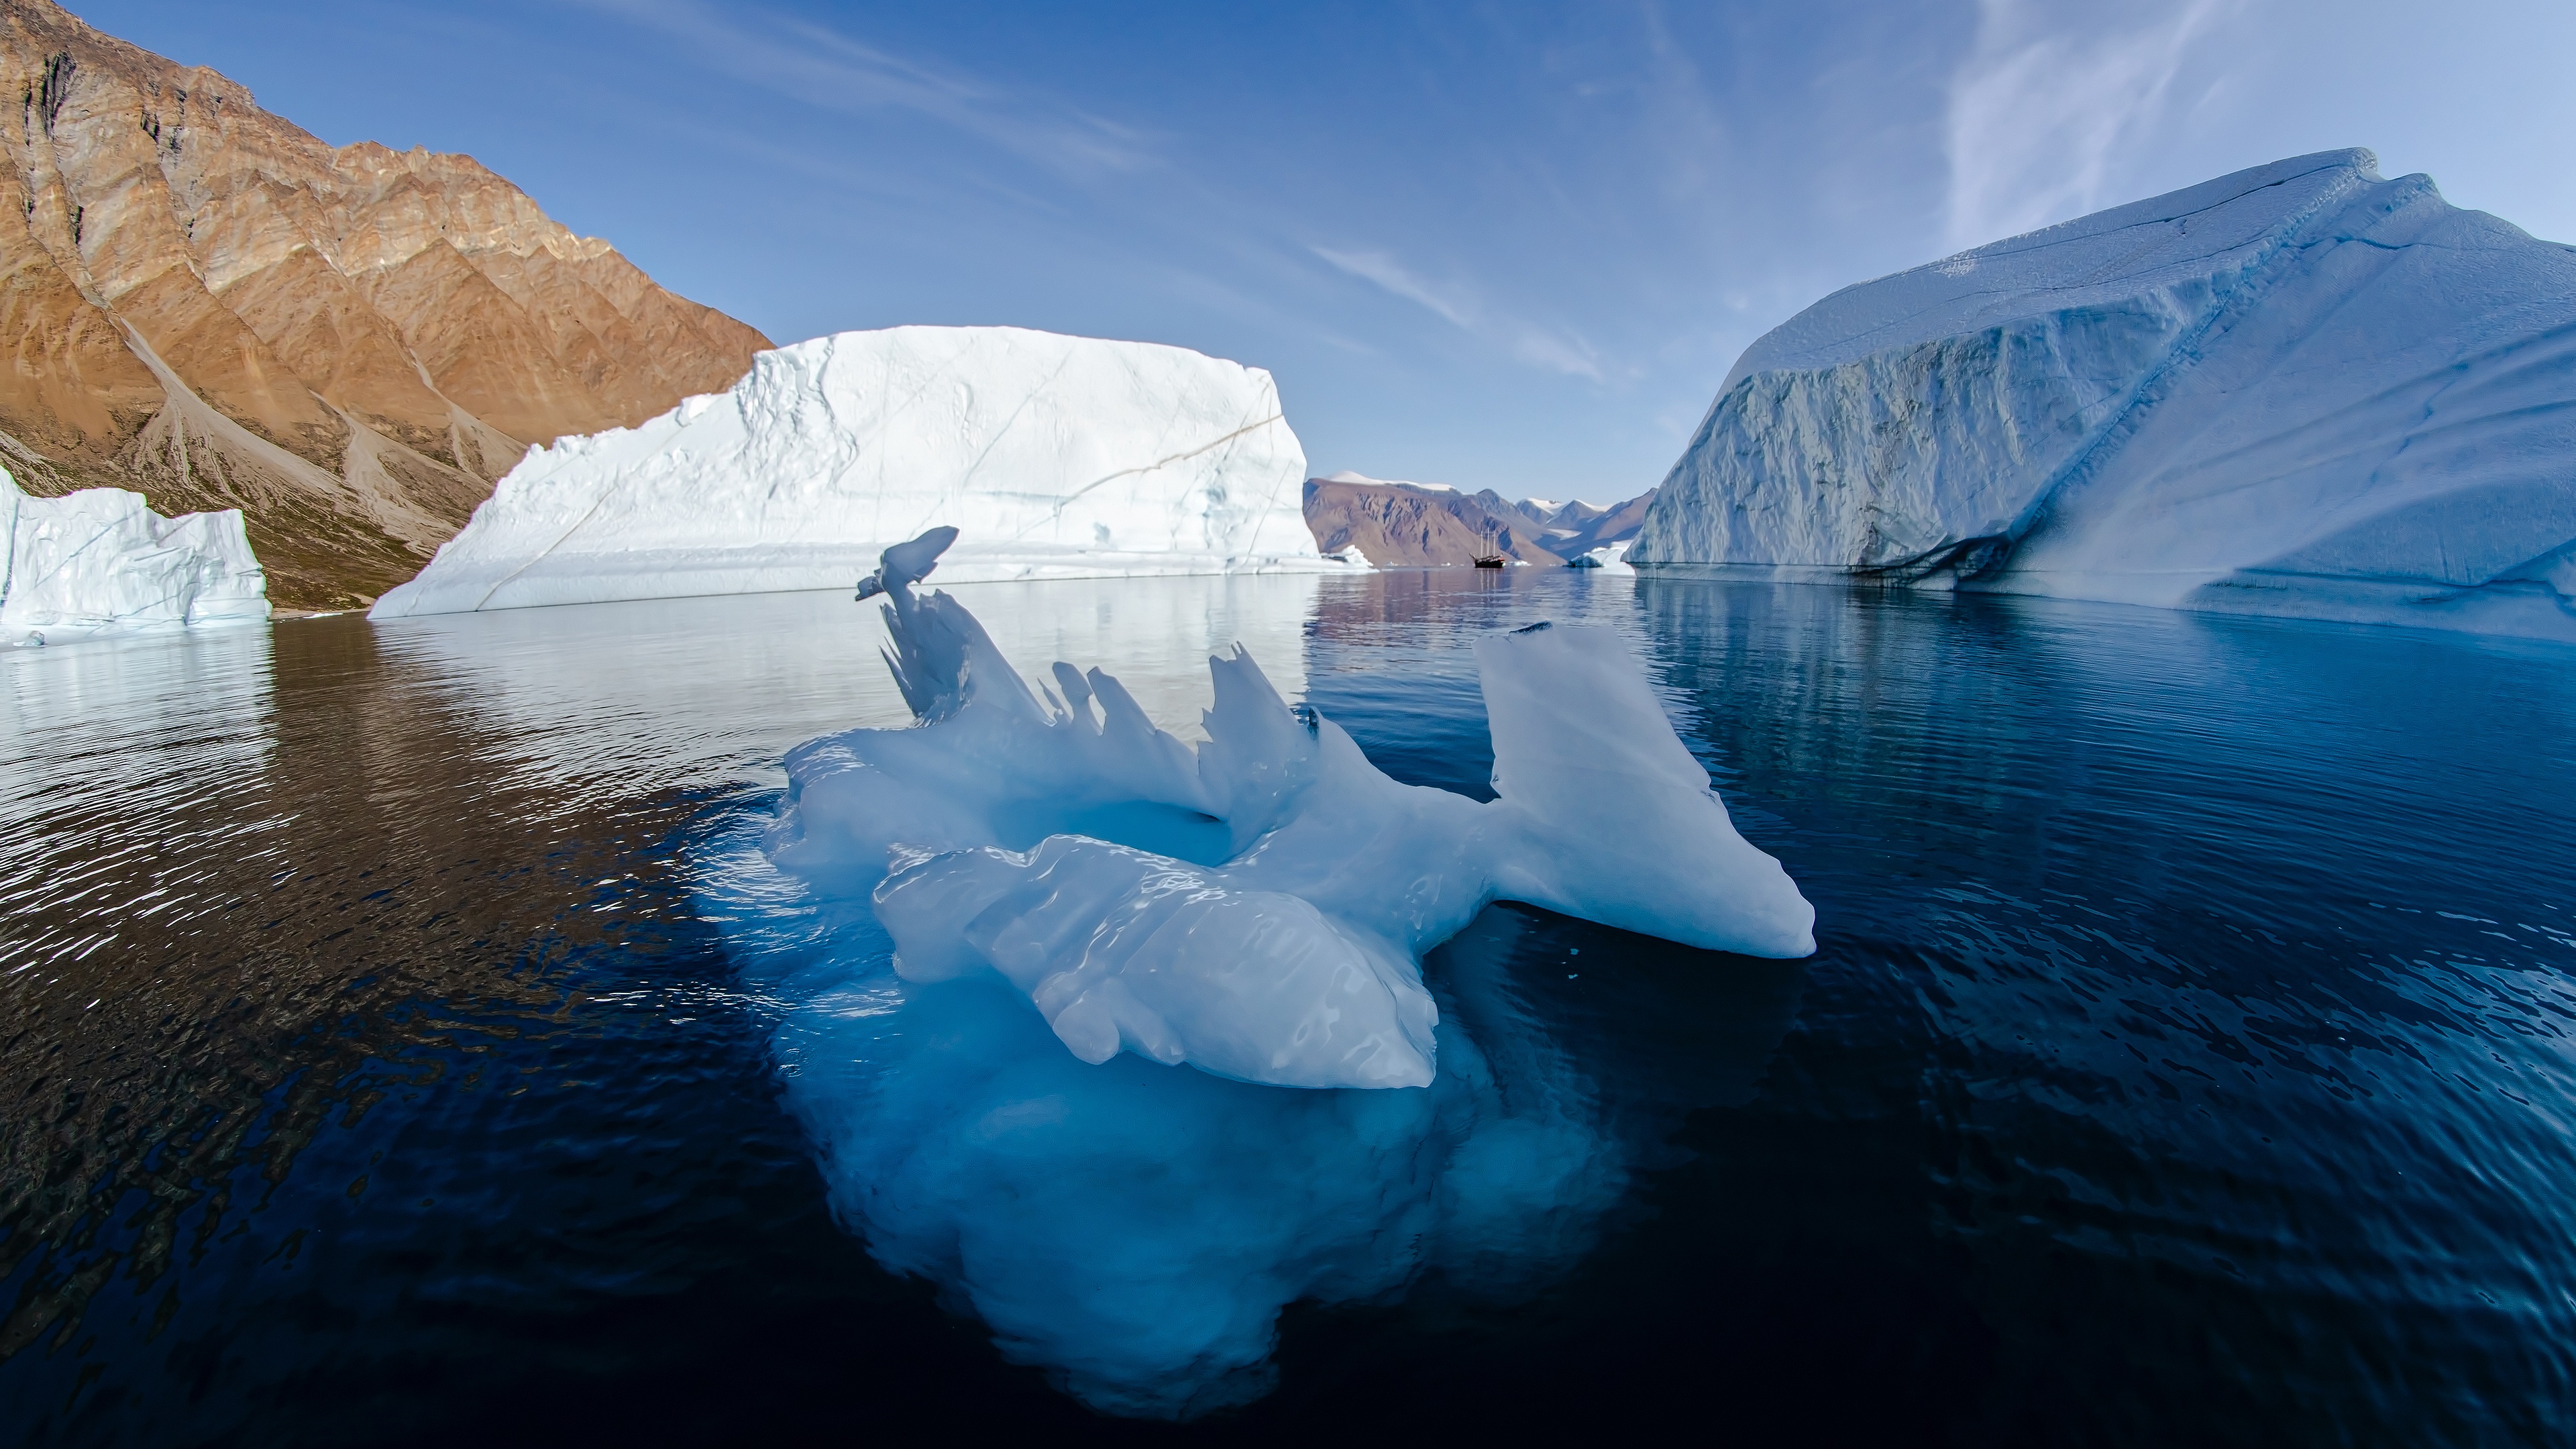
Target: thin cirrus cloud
pixel 817 66
pixel 1461 309
pixel 2046 108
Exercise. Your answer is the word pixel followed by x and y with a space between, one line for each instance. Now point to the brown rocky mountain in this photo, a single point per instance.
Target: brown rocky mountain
pixel 1575 528
pixel 1415 525
pixel 204 302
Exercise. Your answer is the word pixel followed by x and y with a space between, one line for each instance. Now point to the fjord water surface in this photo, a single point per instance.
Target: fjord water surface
pixel 2185 1058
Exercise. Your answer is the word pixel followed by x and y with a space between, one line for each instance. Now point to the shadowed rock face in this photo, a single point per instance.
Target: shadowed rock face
pixel 203 301
pixel 1409 525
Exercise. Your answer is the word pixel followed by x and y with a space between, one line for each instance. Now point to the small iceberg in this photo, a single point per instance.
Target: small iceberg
pixel 100 561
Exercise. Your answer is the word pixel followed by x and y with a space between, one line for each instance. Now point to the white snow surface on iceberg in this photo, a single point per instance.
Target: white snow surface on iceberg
pixel 1063 457
pixel 100 561
pixel 2297 389
pixel 1257 906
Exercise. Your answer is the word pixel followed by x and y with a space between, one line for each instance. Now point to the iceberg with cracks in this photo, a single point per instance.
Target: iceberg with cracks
pixel 2299 389
pixel 100 561
pixel 1065 457
pixel 1001 934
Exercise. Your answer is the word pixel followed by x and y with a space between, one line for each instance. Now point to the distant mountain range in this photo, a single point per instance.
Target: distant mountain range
pixel 1430 525
pixel 204 302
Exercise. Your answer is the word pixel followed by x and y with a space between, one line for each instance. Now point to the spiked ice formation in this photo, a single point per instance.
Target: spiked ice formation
pixel 1066 457
pixel 1257 907
pixel 100 561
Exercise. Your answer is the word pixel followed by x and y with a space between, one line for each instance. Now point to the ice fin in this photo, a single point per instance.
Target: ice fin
pixel 907 563
pixel 942 658
pixel 1077 693
pixel 1258 755
pixel 1156 754
pixel 1607 814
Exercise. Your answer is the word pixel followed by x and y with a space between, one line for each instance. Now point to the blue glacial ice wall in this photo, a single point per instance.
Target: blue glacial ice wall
pixel 2299 389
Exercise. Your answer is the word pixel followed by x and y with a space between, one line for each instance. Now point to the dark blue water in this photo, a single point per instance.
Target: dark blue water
pixel 2185 1060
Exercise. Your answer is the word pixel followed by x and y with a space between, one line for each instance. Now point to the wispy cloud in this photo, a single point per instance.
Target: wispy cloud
pixel 2042 111
pixel 1390 274
pixel 1460 307
pixel 821 67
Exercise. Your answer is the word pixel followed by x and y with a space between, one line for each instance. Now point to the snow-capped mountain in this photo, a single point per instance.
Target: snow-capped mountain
pixel 1396 524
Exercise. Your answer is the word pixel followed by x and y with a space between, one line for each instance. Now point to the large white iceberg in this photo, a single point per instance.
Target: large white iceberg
pixel 100 561
pixel 2297 389
pixel 1080 904
pixel 1063 457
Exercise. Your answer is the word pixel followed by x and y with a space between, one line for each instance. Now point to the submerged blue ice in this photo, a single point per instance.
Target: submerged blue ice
pixel 1257 908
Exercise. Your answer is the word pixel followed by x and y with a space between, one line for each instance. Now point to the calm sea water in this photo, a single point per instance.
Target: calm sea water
pixel 2186 1060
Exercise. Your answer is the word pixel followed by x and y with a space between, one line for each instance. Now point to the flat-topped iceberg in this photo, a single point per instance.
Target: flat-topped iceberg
pixel 1082 908
pixel 2298 389
pixel 1064 457
pixel 100 561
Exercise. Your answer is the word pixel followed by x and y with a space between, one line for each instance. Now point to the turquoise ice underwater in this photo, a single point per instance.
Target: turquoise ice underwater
pixel 1069 881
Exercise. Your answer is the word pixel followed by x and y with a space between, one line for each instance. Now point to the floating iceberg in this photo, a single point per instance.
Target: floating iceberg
pixel 101 561
pixel 1609 558
pixel 1257 907
pixel 1134 1231
pixel 1065 457
pixel 2298 389
pixel 1078 901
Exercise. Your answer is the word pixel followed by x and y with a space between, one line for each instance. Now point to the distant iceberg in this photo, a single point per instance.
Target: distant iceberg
pixel 2299 389
pixel 100 561
pixel 1062 457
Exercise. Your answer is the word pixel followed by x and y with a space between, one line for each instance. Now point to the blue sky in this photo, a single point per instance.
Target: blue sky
pixel 1514 246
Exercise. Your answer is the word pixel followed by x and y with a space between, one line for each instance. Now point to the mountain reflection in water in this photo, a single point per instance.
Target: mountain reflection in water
pixel 2185 1058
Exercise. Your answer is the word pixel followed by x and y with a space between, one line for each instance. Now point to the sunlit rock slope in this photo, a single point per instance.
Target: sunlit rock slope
pixel 2298 389
pixel 203 301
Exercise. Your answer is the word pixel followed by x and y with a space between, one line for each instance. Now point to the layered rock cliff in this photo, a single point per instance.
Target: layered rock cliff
pixel 202 301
